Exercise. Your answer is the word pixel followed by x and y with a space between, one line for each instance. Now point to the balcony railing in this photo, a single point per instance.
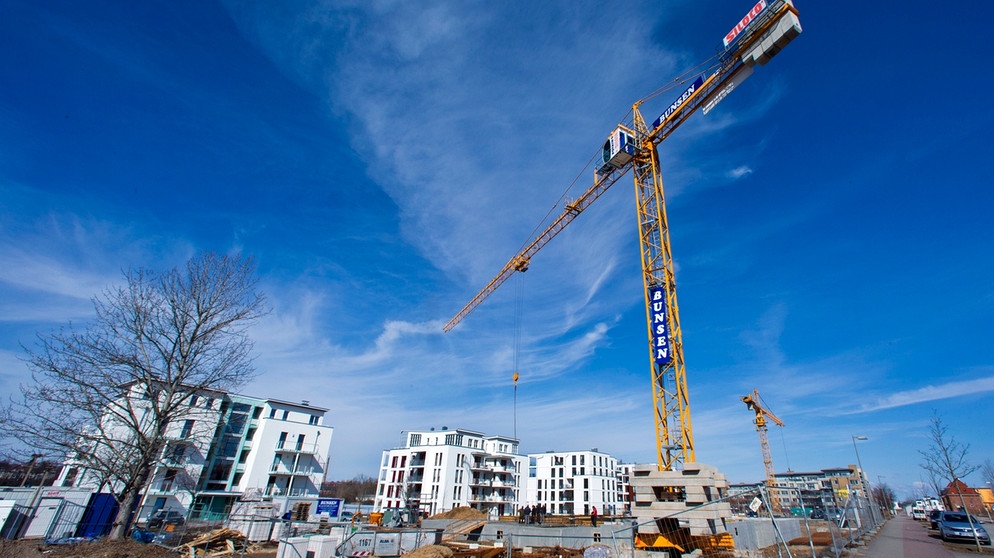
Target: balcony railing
pixel 306 449
pixel 277 491
pixel 301 471
pixel 491 499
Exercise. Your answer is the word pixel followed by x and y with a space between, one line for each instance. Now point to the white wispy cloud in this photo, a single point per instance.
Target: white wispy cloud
pixel 739 172
pixel 949 390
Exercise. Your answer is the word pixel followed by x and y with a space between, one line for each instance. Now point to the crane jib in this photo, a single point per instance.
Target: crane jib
pixel 678 102
pixel 660 327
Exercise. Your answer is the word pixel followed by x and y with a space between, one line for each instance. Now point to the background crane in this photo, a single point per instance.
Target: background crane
pixel 757 37
pixel 762 413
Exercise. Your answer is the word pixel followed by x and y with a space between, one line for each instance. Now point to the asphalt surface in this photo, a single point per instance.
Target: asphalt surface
pixel 903 537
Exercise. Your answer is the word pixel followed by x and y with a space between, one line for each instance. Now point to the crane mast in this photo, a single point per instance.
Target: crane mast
pixel 760 35
pixel 754 404
pixel 674 442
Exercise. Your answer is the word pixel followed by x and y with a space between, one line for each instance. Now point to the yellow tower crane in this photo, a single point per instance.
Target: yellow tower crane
pixel 754 404
pixel 755 39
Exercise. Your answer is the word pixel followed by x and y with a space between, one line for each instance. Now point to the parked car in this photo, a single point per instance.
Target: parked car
pixel 956 526
pixel 933 519
pixel 162 518
pixel 818 513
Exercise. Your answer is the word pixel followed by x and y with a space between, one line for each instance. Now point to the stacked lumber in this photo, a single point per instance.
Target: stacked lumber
pixel 219 542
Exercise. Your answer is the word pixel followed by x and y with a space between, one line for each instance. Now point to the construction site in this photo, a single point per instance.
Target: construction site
pixel 679 505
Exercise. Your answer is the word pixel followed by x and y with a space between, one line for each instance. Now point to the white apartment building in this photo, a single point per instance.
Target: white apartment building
pixel 437 470
pixel 575 482
pixel 226 445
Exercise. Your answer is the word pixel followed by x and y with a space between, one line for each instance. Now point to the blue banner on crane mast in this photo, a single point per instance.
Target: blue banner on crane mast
pixel 659 325
pixel 678 102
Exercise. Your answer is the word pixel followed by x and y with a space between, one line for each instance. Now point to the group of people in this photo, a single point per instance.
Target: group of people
pixel 532 514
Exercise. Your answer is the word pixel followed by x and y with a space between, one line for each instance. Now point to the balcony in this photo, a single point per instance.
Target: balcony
pixel 490 499
pixel 277 491
pixel 302 449
pixel 179 438
pixel 299 471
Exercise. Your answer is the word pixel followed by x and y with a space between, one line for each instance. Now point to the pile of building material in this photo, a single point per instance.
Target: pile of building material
pixel 219 542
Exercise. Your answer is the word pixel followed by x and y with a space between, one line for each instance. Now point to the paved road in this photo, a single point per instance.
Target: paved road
pixel 903 537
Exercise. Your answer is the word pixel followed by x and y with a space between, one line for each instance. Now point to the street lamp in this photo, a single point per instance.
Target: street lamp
pixel 987 507
pixel 884 498
pixel 864 484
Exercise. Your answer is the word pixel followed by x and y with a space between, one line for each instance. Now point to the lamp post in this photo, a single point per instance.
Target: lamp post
pixel 862 476
pixel 31 464
pixel 987 507
pixel 883 494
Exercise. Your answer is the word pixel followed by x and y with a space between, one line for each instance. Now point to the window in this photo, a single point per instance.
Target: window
pixel 167 480
pixel 415 439
pixel 187 429
pixel 220 471
pixel 272 413
pixel 210 403
pixel 193 400
pixel 229 446
pixel 256 413
pixel 71 476
pixel 282 440
pixel 300 442
pixel 236 423
pixel 286 414
pixel 313 419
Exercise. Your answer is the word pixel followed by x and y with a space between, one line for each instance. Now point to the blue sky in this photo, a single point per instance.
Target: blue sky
pixel 830 220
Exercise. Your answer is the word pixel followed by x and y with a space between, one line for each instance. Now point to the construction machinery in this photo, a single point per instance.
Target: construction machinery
pixel 754 40
pixel 754 403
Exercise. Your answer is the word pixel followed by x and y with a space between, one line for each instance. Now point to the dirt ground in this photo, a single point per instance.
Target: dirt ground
pixel 98 549
pixel 460 513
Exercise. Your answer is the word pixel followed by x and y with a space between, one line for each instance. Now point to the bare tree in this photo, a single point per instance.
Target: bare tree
pixel 354 490
pixel 103 396
pixel 884 496
pixel 934 484
pixel 987 470
pixel 946 459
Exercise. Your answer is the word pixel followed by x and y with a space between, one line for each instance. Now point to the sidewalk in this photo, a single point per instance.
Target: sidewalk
pixel 903 537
